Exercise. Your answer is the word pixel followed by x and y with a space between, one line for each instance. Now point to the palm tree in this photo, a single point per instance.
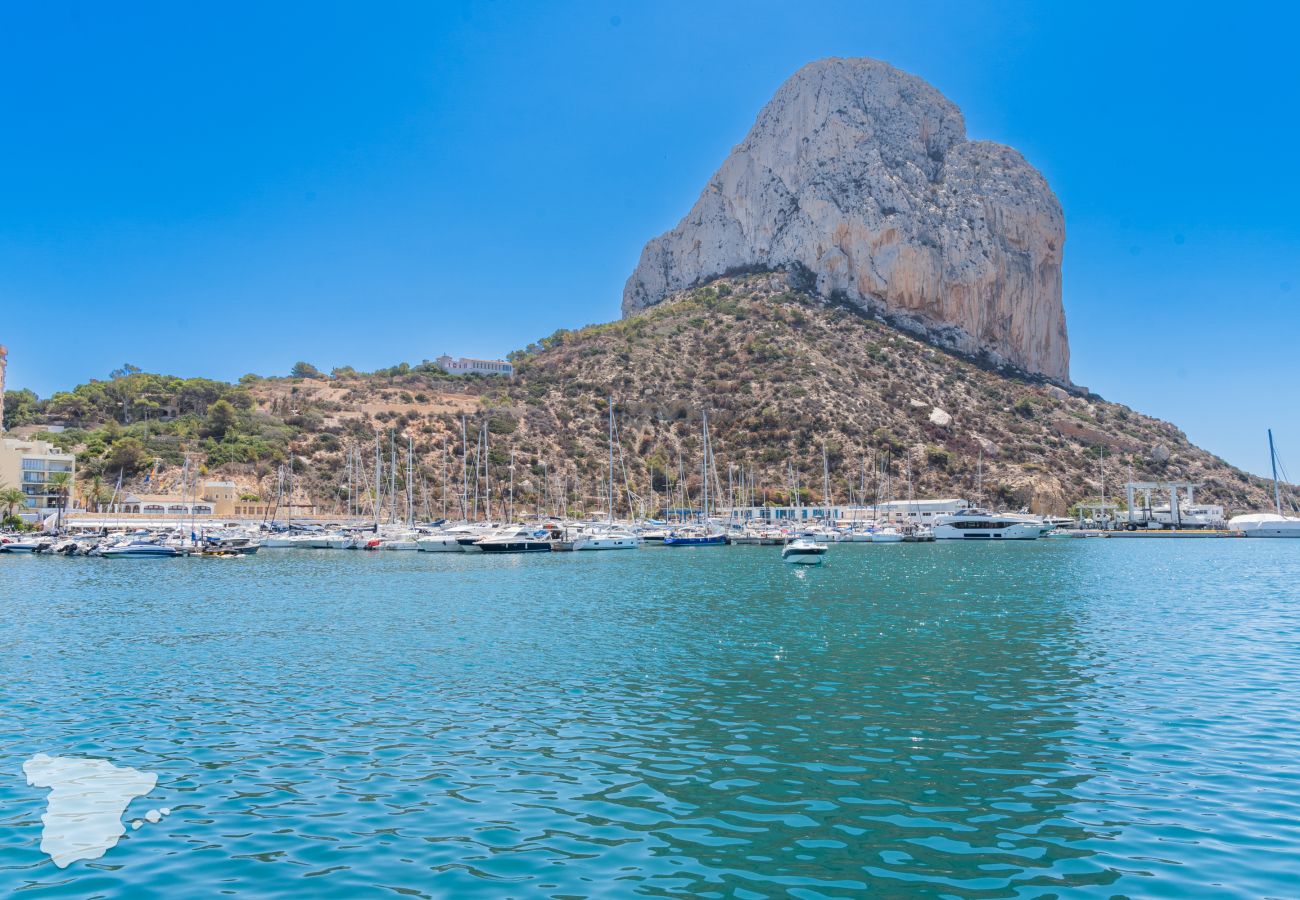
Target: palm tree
pixel 59 483
pixel 93 494
pixel 11 497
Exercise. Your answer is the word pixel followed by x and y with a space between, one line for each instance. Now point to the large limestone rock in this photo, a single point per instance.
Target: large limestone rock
pixel 861 176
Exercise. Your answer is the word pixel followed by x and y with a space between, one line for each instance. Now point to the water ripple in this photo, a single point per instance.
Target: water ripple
pixel 1084 717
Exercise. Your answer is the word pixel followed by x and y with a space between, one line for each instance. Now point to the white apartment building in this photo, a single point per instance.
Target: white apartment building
pixel 464 366
pixel 28 465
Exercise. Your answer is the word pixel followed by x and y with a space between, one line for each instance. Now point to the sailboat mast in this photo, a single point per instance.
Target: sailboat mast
pixel 1103 480
pixel 705 424
pixel 487 474
pixel 392 476
pixel 379 461
pixel 1272 458
pixel 611 459
pixel 826 480
pixel 464 470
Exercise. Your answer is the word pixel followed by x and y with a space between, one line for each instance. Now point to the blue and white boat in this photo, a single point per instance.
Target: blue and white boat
pixel 804 552
pixel 140 550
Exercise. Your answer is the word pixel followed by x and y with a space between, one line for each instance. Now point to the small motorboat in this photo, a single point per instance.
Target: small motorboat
pixel 804 551
pixel 27 546
pixel 140 550
pixel 230 546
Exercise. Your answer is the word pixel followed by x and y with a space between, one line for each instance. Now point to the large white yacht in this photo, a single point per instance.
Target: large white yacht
pixel 980 524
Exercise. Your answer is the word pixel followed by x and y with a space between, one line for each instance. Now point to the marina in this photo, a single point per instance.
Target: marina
pixel 493 451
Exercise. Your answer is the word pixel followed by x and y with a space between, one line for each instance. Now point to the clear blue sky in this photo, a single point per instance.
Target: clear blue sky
pixel 221 188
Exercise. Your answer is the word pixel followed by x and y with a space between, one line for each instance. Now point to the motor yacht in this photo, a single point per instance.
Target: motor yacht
pixel 35 546
pixel 606 539
pixel 140 550
pixel 804 552
pixel 655 534
pixel 517 539
pixel 980 524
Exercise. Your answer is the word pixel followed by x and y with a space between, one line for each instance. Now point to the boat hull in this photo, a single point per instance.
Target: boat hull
pixel 516 547
pixel 139 554
pixel 605 543
pixel 1266 526
pixel 440 545
pixel 1020 531
pixel 711 541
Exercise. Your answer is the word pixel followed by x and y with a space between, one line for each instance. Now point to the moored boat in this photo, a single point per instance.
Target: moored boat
pixel 1268 525
pixel 804 551
pixel 695 536
pixel 37 546
pixel 439 543
pixel 140 550
pixel 886 535
pixel 517 540
pixel 606 539
pixel 979 524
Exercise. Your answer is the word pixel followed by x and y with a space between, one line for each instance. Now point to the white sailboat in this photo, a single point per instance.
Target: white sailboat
pixel 611 537
pixel 1275 524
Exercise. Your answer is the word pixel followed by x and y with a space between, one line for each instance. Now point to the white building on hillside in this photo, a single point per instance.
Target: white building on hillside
pixel 464 366
pixel 28 466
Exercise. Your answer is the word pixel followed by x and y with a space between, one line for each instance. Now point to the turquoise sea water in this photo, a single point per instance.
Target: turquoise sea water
pixel 1081 717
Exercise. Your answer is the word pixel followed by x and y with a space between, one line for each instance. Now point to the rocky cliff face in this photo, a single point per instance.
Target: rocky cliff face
pixel 860 177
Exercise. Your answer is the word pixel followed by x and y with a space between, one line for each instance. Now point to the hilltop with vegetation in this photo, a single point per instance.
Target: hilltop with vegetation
pixel 781 373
